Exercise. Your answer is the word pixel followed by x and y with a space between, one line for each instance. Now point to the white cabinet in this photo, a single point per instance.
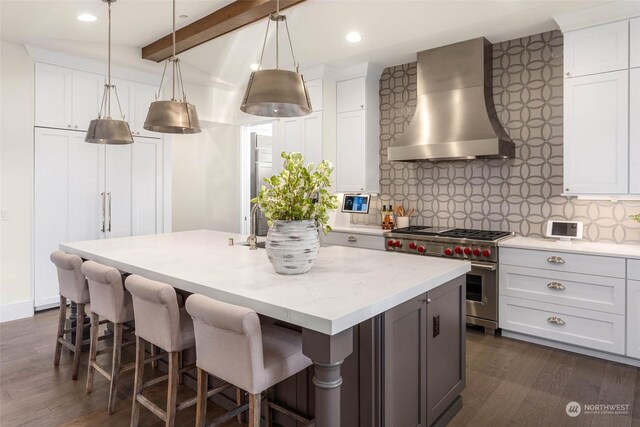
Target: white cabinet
pixel 312 137
pixel 351 142
pixel 634 130
pixel 315 88
pixel 633 318
pixel 596 49
pixel 89 191
pixel 144 95
pixel 596 126
pixel 302 134
pixel 634 42
pixel 65 98
pixel 351 95
pixel 353 239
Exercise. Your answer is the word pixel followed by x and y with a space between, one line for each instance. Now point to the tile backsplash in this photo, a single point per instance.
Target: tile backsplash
pixel 518 194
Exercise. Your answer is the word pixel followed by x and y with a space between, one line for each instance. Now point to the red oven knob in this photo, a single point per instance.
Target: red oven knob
pixel 412 245
pixel 467 251
pixel 421 249
pixel 397 243
pixel 458 250
pixel 448 252
pixel 486 253
pixel 476 252
pixel 390 243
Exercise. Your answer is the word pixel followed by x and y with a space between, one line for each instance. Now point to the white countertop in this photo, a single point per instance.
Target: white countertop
pixel 584 247
pixel 373 230
pixel 345 287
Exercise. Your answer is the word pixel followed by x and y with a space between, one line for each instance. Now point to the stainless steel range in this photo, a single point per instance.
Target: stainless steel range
pixel 478 246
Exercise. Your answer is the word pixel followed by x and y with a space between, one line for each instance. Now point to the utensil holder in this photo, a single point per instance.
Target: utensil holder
pixel 402 221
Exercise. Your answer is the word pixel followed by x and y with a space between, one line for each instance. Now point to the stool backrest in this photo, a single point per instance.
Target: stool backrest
pixel 106 290
pixel 71 281
pixel 228 340
pixel 155 305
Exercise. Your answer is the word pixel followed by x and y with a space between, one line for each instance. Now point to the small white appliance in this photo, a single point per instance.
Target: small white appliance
pixel 566 231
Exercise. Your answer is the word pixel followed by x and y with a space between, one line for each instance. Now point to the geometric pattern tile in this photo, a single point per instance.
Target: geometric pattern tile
pixel 518 194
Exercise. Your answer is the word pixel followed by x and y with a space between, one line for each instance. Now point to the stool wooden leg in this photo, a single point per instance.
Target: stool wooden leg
pixel 78 343
pixel 115 367
pixel 93 348
pixel 201 403
pixel 154 351
pixel 267 413
pixel 180 366
pixel 62 316
pixel 172 390
pixel 137 384
pixel 254 410
pixel 239 403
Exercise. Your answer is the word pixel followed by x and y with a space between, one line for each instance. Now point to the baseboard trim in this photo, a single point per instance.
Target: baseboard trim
pixel 16 310
pixel 574 349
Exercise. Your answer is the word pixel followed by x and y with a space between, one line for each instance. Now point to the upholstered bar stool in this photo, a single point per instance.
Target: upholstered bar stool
pixel 110 301
pixel 233 346
pixel 73 286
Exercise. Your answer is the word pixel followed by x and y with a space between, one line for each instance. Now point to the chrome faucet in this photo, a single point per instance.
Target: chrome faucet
pixel 253 239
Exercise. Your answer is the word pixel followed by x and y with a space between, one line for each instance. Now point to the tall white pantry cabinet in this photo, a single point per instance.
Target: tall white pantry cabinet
pixel 88 191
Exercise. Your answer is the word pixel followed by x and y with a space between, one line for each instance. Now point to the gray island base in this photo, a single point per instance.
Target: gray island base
pixel 385 330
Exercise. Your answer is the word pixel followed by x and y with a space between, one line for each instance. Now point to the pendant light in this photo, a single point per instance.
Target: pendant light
pixel 173 116
pixel 276 92
pixel 104 129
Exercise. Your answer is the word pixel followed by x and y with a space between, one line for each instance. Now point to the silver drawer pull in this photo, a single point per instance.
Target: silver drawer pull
pixel 555 260
pixel 556 285
pixel 352 239
pixel 555 320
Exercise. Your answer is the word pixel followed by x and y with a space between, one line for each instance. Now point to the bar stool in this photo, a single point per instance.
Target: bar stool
pixel 162 323
pixel 109 300
pixel 72 285
pixel 231 345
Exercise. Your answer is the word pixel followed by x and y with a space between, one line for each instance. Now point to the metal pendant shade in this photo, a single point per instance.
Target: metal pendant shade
pixel 104 129
pixel 174 116
pixel 276 92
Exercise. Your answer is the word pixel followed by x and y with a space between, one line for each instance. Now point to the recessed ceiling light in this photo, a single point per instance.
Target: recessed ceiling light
pixel 86 17
pixel 254 67
pixel 354 37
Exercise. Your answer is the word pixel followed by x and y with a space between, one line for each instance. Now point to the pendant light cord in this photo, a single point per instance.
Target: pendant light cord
pixel 277 17
pixel 109 65
pixel 173 80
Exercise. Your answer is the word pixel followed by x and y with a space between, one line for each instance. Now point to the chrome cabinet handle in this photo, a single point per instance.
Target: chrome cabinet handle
pixel 352 239
pixel 568 74
pixel 482 266
pixel 556 285
pixel 555 320
pixel 104 214
pixel 555 260
pixel 109 194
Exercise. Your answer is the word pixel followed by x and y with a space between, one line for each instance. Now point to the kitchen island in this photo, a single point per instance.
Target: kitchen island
pixel 399 313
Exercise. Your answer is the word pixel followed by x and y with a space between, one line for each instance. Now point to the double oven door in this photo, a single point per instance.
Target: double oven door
pixel 482 295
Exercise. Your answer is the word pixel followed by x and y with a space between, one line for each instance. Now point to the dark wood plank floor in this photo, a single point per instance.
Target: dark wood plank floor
pixel 509 383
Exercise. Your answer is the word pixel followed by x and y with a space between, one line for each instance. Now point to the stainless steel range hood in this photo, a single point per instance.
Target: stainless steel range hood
pixel 455 116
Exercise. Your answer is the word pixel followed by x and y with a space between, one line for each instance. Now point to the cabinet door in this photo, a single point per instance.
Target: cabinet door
pixel 315 94
pixel 350 95
pixel 596 49
pixel 291 135
pixel 634 42
pixel 405 376
pixel 634 131
pixel 312 136
pixel 350 159
pixel 147 186
pixel 119 175
pixel 633 318
pixel 596 145
pixel 87 95
pixel 53 89
pixel 144 96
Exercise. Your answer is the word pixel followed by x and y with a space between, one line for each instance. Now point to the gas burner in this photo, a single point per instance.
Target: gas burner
pixel 463 233
pixel 411 229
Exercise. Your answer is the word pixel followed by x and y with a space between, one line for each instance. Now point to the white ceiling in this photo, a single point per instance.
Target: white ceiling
pixel 392 30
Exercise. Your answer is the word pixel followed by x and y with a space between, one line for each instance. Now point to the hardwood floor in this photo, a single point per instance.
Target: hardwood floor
pixel 509 383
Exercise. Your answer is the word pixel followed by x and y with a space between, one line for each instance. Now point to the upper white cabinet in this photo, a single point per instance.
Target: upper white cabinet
pixel 596 145
pixel 634 131
pixel 596 49
pixel 634 42
pixel 357 134
pixel 144 95
pixel 315 88
pixel 65 98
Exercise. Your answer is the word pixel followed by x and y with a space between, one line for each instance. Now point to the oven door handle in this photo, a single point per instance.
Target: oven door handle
pixel 483 266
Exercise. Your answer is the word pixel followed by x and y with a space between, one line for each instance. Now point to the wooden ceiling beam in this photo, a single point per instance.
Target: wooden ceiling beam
pixel 229 18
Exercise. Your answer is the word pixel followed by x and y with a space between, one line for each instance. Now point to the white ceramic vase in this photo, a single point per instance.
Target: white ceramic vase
pixel 293 246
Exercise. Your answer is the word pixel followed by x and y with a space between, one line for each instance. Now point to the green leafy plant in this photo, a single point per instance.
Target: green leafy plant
pixel 298 193
pixel 635 217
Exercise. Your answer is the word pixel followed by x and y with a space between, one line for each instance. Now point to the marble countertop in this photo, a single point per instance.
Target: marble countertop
pixel 373 230
pixel 345 287
pixel 584 247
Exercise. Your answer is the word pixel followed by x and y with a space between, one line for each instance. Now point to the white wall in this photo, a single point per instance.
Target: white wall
pixel 16 180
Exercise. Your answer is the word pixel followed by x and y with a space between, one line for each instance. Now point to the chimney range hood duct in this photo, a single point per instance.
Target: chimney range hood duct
pixel 455 117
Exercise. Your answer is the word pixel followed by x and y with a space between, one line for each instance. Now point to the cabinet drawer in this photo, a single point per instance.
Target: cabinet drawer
pixel 364 241
pixel 586 328
pixel 559 261
pixel 576 290
pixel 633 269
